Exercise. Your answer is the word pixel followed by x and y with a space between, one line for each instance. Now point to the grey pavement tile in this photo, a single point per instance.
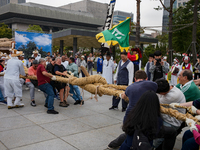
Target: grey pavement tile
pixel 28 109
pixel 14 122
pixel 98 120
pixel 2 147
pixel 67 127
pixel 77 111
pixel 118 114
pixel 90 140
pixel 100 108
pixel 24 136
pixel 55 144
pixel 41 118
pixel 114 130
pixel 7 113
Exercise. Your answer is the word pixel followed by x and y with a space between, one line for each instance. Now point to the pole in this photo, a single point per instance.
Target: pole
pixel 194 37
pixel 170 33
pixel 137 39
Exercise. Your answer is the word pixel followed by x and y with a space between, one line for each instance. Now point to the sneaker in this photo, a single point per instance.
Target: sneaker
pixel 123 109
pixel 3 102
pixel 77 102
pixel 26 88
pixel 52 112
pixel 10 107
pixel 19 105
pixel 62 104
pixel 46 105
pixel 39 90
pixel 113 107
pixel 33 103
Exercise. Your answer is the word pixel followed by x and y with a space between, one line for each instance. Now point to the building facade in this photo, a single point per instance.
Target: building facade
pixel 181 3
pixel 4 2
pixel 120 16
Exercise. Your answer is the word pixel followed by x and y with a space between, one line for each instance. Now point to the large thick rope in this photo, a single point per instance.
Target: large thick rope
pixel 96 84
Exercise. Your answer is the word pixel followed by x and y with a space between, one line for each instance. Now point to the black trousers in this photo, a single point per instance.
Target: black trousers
pixel 118 141
pixel 115 102
pixel 196 75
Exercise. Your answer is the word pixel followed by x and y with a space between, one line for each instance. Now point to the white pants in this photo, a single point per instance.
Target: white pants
pixel 12 87
pixel 174 80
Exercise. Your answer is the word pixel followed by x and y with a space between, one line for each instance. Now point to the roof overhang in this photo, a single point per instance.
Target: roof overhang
pixel 87 38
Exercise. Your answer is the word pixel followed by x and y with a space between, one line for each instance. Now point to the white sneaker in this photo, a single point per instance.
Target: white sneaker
pixel 39 90
pixel 19 105
pixel 26 88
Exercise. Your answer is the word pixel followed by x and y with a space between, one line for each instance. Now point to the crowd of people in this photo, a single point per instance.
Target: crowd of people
pixel 146 91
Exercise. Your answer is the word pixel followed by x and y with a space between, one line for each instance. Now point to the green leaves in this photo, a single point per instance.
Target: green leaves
pixel 5 32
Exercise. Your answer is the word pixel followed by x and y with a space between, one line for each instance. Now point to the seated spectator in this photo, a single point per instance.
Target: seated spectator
pixel 144 121
pixel 168 94
pixel 74 90
pixel 60 70
pixel 187 86
pixel 32 71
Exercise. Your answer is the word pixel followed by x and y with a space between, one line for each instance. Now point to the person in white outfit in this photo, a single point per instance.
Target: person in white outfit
pixel 165 60
pixel 12 81
pixel 36 55
pixel 108 69
pixel 174 72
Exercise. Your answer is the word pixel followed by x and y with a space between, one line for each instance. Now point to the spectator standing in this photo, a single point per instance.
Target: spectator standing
pixel 147 66
pixel 196 69
pixel 78 63
pixel 99 64
pixel 158 68
pixel 90 64
pixel 108 69
pixel 174 72
pixel 64 62
pixel 186 64
pixel 84 64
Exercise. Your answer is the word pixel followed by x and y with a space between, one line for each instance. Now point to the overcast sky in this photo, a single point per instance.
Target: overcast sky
pixel 149 16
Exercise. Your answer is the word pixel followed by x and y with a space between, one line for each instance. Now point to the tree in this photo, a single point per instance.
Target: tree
pixel 5 32
pixel 171 13
pixel 148 50
pixel 183 38
pixel 36 28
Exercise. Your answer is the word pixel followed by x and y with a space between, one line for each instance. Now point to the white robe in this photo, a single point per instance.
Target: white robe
pixel 11 78
pixel 37 58
pixel 174 77
pixel 108 68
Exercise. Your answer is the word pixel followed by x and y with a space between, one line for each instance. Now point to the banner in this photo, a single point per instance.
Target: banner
pixel 29 41
pixel 109 19
pixel 119 34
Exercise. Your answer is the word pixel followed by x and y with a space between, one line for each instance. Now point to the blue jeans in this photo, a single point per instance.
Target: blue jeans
pixel 76 92
pixel 1 96
pixel 188 141
pixel 48 89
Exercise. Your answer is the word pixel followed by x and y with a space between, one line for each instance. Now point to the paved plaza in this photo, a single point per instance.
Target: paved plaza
pixel 88 127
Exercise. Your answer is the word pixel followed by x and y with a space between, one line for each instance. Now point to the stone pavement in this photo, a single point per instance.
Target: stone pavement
pixel 88 127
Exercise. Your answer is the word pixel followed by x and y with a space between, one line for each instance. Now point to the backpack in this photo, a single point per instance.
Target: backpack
pixel 140 142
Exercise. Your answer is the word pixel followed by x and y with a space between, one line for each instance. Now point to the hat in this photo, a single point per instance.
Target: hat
pixel 82 56
pixel 4 54
pixel 123 52
pixel 186 58
pixel 7 57
pixel 164 57
pixel 108 54
pixel 35 62
pixel 16 53
pixel 176 60
pixel 1 54
pixel 35 52
pixel 135 49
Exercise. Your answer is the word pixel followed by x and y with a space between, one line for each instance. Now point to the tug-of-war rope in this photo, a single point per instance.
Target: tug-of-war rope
pixel 97 85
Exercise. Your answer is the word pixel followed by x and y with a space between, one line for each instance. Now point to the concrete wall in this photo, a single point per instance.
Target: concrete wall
pixel 19 26
pixel 98 10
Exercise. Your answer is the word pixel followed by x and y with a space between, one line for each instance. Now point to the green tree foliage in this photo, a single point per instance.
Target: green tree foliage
pixel 36 28
pixel 183 38
pixel 5 32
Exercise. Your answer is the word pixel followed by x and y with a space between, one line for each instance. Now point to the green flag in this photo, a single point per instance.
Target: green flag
pixel 119 34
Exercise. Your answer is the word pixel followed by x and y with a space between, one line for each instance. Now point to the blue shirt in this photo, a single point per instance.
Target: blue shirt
pixel 136 90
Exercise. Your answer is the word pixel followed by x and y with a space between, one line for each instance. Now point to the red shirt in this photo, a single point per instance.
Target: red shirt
pixel 41 78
